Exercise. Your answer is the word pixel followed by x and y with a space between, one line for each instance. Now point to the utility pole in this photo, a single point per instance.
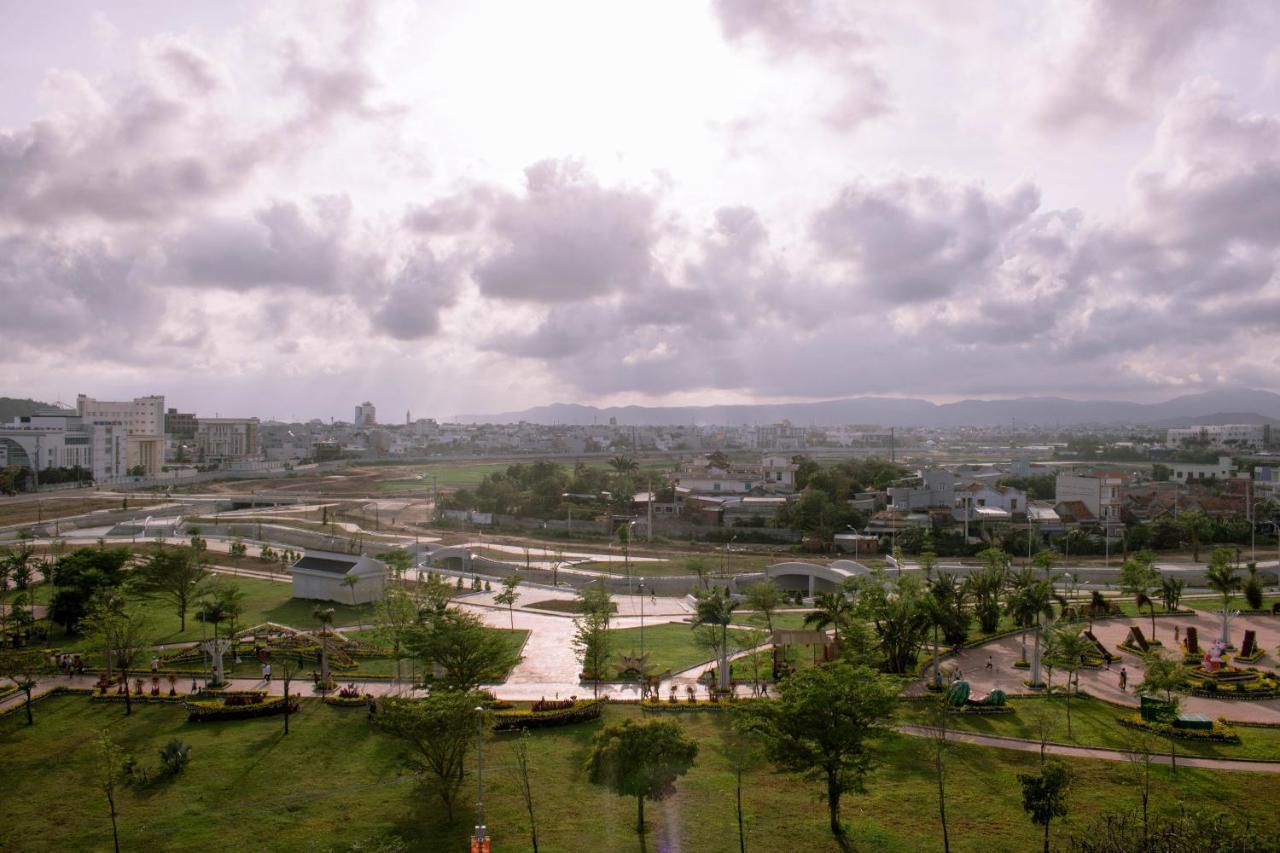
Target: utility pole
pixel 480 840
pixel 649 535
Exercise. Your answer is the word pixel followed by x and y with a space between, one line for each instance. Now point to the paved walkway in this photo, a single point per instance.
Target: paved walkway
pixel 1097 753
pixel 1105 684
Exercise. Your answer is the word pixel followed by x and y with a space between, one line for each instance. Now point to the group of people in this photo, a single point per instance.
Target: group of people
pixel 69 664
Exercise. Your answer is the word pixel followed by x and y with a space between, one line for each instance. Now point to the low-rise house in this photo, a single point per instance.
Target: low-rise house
pixel 321 576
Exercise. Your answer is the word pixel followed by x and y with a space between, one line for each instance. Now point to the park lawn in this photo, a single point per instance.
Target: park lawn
pixel 1093 723
pixel 784 619
pixel 265 601
pixel 1214 604
pixel 335 780
pixel 670 646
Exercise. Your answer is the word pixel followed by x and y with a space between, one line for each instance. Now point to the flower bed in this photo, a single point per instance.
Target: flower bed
pixel 207 710
pixel 345 701
pixel 580 712
pixel 1220 733
pixel 135 697
pixel 677 707
pixel 982 710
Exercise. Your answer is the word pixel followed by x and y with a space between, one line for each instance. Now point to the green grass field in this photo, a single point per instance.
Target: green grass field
pixel 1093 723
pixel 334 781
pixel 265 601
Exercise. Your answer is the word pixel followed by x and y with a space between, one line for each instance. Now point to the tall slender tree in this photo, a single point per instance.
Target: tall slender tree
pixel 172 574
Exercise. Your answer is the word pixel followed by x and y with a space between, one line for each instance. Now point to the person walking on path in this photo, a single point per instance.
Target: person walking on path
pixel 1124 678
pixel 266 672
pixel 989 664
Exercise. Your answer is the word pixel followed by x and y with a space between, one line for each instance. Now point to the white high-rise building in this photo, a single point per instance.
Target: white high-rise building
pixel 143 420
pixel 366 416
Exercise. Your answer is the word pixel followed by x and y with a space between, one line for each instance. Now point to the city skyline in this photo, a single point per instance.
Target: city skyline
pixel 257 211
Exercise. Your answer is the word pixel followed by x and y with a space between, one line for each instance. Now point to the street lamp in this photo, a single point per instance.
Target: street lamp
pixel 481 830
pixel 642 618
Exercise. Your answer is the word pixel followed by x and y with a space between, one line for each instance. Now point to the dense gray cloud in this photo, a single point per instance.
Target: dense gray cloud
pixel 1121 53
pixel 411 308
pixel 819 31
pixel 918 239
pixel 568 238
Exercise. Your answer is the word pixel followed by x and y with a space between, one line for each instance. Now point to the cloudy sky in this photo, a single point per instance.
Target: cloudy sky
pixel 283 209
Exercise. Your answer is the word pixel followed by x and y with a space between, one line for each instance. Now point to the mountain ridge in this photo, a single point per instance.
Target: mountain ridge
pixel 1257 406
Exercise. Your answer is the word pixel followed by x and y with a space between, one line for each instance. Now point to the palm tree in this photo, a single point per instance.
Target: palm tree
pixel 1140 578
pixel 1036 602
pixel 986 585
pixel 1171 592
pixel 1224 580
pixel 716 609
pixel 350 581
pixel 1019 605
pixel 323 615
pixel 830 610
pixel 624 465
pixel 1068 647
pixel 1196 526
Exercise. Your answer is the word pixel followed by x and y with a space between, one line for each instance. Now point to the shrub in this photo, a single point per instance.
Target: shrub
pixel 175 756
pixel 579 712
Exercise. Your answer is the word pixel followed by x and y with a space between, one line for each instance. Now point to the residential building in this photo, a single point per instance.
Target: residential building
pixel 1236 436
pixel 143 420
pixel 227 439
pixel 1187 472
pixel 366 415
pixel 1100 492
pixel 781 436
pixel 1007 498
pixel 939 490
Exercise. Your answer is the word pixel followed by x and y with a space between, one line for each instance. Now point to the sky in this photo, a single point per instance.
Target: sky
pixel 282 209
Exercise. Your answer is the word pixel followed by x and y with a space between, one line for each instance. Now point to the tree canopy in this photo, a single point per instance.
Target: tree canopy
pixel 641 760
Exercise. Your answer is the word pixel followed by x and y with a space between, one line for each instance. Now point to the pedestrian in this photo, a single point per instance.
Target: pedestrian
pixel 989 664
pixel 1124 678
pixel 155 664
pixel 959 676
pixel 1177 630
pixel 372 705
pixel 266 672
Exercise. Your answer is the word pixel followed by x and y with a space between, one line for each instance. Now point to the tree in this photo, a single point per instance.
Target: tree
pixel 1140 578
pixel 624 465
pixel 1067 648
pixel 1223 579
pixel 1188 830
pixel 765 598
pixel 823 725
pixel 830 610
pixel 521 754
pixel 120 631
pixel 463 647
pixel 985 587
pixel 641 760
pixel 591 638
pixel 110 771
pixel 350 581
pixel 287 668
pixel 1020 605
pixel 393 616
pixel 78 576
pixel 1034 602
pixel 398 561
pixel 1252 588
pixel 715 609
pixel 221 601
pixel 1171 593
pixel 939 708
pixel 1196 526
pixel 509 596
pixel 1164 674
pixel 701 568
pixel 325 616
pixel 439 731
pixel 901 614
pixel 1141 746
pixel 24 669
pixel 172 574
pixel 1044 795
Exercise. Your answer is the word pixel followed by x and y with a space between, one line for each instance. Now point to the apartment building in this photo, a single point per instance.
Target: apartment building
pixel 227 439
pixel 143 420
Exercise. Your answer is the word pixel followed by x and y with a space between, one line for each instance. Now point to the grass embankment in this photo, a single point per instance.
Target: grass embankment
pixel 48 508
pixel 1093 723
pixel 334 781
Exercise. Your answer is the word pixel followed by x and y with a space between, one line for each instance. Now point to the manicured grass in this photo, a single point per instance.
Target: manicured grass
pixel 1093 723
pixel 265 601
pixel 1237 603
pixel 334 781
pixel 790 620
pixel 669 646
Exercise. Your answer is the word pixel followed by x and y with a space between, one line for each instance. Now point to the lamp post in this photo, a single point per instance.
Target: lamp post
pixel 642 618
pixel 481 830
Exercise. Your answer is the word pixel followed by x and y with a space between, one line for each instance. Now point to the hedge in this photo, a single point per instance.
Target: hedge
pixel 1220 733
pixel 202 711
pixel 581 712
pixel 345 701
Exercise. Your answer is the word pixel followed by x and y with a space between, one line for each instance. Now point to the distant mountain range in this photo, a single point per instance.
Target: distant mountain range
pixel 1212 407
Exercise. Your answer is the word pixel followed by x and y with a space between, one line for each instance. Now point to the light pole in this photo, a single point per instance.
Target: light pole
pixel 481 830
pixel 641 619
